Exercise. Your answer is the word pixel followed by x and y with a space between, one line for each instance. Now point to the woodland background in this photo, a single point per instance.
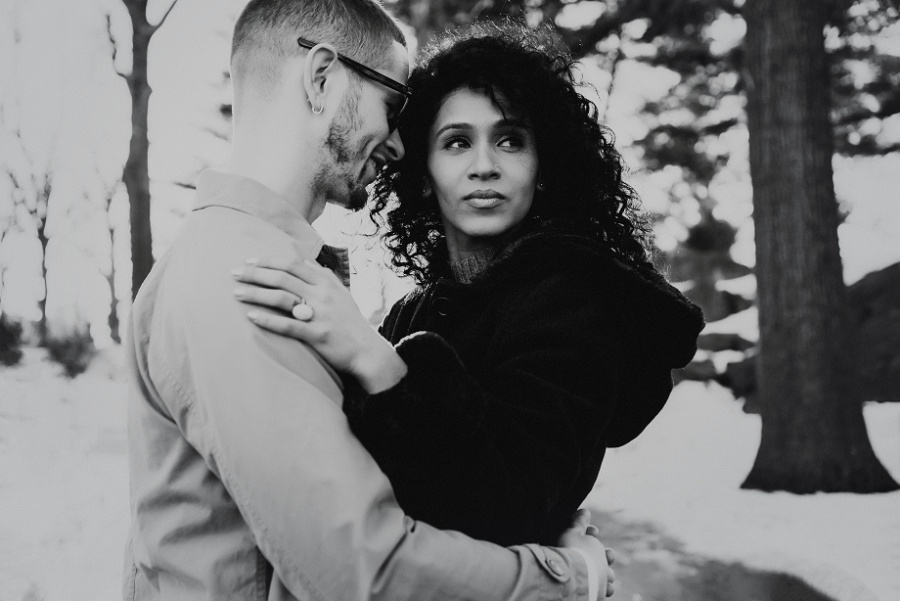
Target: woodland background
pixel 762 135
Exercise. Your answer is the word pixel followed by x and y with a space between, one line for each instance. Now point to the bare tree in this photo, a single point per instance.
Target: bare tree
pixel 136 173
pixel 109 194
pixel 30 198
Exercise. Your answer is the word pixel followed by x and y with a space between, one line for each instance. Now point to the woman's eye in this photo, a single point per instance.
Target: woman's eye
pixel 511 142
pixel 455 143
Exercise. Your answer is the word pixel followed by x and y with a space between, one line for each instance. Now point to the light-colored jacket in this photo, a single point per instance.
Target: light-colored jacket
pixel 246 482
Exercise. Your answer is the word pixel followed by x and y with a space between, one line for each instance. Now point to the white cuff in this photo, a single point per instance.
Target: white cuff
pixel 593 576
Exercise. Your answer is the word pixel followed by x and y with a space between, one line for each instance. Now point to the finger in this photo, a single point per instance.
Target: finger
pixel 303 312
pixel 273 278
pixel 610 556
pixel 593 531
pixel 267 297
pixel 286 326
pixel 581 519
pixel 282 263
pixel 610 589
pixel 611 576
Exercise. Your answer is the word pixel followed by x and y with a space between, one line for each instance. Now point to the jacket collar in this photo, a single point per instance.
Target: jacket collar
pixel 220 189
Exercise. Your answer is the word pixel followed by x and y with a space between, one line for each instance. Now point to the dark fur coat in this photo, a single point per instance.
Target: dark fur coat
pixel 518 383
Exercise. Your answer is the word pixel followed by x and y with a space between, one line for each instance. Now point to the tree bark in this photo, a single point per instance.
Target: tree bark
pixel 813 434
pixel 42 328
pixel 136 174
pixel 113 319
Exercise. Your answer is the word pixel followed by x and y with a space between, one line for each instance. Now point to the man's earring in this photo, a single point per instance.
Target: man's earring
pixel 319 110
pixel 540 186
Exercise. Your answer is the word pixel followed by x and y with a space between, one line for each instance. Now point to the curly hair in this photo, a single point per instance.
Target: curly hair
pixel 523 71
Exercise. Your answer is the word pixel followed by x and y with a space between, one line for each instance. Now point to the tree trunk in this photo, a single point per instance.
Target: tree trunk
pixel 113 320
pixel 813 434
pixel 41 212
pixel 136 175
pixel 42 304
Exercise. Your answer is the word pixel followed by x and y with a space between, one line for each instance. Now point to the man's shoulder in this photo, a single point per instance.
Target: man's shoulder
pixel 186 312
pixel 211 244
pixel 190 289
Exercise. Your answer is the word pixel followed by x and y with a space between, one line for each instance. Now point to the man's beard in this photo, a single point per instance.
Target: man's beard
pixel 337 179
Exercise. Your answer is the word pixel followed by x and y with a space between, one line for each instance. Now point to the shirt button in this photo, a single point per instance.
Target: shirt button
pixel 554 567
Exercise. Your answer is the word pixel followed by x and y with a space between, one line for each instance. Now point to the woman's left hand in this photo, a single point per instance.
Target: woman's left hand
pixel 325 317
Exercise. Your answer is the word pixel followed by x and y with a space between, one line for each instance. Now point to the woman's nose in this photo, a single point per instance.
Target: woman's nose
pixel 484 165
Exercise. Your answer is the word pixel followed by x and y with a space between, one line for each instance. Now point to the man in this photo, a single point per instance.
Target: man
pixel 246 482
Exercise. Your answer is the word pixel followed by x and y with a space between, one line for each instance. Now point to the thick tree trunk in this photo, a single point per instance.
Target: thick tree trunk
pixel 813 434
pixel 136 175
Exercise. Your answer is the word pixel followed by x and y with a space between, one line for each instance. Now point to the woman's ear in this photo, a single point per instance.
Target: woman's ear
pixel 319 75
pixel 427 189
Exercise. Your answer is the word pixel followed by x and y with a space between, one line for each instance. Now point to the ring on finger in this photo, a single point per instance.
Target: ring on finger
pixel 302 311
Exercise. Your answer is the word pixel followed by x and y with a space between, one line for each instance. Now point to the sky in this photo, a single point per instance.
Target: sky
pixel 60 90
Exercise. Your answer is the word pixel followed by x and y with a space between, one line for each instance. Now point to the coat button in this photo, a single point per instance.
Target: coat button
pixel 554 567
pixel 441 306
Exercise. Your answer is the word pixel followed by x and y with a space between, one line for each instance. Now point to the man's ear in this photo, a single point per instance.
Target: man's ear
pixel 319 75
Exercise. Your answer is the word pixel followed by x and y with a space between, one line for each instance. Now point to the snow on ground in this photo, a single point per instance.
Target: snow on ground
pixel 63 481
pixel 684 472
pixel 64 503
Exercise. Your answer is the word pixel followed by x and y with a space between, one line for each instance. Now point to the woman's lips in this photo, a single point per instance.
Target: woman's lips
pixel 484 199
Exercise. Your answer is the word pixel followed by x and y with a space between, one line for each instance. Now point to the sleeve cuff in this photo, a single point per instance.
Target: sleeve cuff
pixel 593 575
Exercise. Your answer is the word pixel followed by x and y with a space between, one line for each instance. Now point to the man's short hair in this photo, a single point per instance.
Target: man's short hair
pixel 266 33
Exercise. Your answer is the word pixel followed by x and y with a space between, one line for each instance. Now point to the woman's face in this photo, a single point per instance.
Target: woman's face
pixel 482 167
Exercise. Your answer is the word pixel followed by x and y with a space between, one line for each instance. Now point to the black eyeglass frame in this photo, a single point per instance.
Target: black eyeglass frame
pixel 372 74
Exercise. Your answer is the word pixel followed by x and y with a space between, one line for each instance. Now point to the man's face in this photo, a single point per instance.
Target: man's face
pixel 359 140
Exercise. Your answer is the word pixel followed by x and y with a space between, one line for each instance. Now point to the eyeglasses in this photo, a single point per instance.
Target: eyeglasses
pixel 375 76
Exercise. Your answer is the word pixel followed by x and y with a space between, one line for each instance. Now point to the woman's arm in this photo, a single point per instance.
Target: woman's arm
pixel 489 449
pixel 487 455
pixel 325 316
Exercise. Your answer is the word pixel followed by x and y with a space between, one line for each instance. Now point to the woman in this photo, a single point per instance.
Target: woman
pixel 539 334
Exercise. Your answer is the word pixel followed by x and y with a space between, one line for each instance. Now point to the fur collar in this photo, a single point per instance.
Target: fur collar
pixel 657 319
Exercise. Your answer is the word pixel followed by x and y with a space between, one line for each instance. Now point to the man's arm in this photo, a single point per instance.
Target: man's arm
pixel 265 415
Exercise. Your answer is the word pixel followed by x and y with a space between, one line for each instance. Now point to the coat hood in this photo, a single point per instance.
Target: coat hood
pixel 655 325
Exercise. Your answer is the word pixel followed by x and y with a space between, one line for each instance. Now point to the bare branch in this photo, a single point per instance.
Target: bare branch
pixel 613 71
pixel 114 45
pixel 165 16
pixel 216 134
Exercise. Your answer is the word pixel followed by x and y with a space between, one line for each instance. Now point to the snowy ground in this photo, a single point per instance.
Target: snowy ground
pixel 683 474
pixel 64 505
